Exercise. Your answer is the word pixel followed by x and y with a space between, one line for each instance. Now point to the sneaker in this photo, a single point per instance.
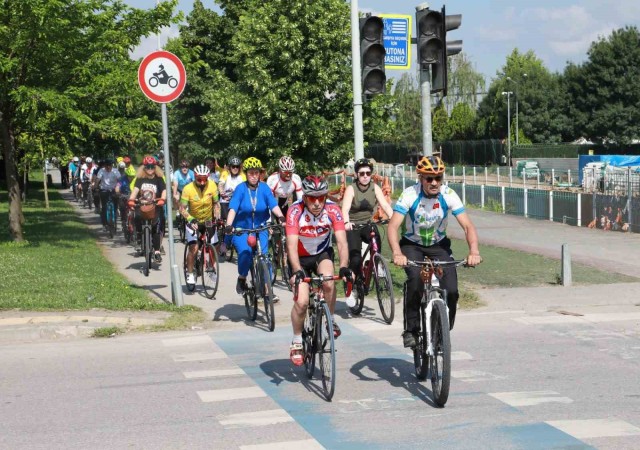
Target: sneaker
pixel 157 256
pixel 275 299
pixel 296 354
pixel 336 330
pixel 191 278
pixel 351 300
pixel 137 249
pixel 409 339
pixel 241 286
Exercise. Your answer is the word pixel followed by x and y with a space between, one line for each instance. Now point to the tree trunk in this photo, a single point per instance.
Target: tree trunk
pixel 13 188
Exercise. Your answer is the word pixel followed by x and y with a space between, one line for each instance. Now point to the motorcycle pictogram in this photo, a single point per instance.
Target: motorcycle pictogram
pixel 162 77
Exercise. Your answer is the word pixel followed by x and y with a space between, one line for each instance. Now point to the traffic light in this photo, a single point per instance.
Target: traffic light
pixel 372 55
pixel 433 47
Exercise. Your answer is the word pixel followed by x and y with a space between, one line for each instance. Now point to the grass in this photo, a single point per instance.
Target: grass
pixel 106 332
pixel 60 265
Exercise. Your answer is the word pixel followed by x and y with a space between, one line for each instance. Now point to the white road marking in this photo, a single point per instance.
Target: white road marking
pixel 530 398
pixel 471 376
pixel 189 340
pixel 595 428
pixel 213 373
pixel 208 356
pixel 255 419
pixel 220 395
pixel 309 444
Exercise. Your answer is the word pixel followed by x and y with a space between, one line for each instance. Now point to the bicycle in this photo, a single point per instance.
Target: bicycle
pixel 205 264
pixel 317 333
pixel 181 224
pixel 260 285
pixel 279 258
pixel 111 216
pixel 433 346
pixel 147 211
pixel 374 266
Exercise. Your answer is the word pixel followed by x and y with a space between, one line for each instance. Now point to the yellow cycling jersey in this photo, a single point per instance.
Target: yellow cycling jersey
pixel 199 202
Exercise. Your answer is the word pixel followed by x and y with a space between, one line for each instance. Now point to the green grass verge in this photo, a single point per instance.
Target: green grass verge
pixel 60 266
pixel 106 332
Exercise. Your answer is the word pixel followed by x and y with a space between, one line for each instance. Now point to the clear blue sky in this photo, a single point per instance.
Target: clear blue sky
pixel 556 30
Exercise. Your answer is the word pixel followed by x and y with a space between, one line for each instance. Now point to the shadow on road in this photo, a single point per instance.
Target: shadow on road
pixel 281 370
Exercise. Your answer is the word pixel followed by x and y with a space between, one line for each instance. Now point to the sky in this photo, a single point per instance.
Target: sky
pixel 558 31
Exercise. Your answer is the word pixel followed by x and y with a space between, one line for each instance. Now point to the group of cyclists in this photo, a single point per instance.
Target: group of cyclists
pixel 240 195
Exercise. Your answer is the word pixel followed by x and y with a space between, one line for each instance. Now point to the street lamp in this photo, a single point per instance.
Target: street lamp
pixel 508 94
pixel 524 75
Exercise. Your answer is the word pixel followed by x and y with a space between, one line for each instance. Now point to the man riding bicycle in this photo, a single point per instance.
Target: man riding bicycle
pixel 197 206
pixel 180 178
pixel 106 181
pixel 309 225
pixel 285 183
pixel 422 211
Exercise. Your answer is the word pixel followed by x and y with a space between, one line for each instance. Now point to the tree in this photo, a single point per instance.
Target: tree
pixel 465 83
pixel 462 122
pixel 407 113
pixel 58 61
pixel 440 124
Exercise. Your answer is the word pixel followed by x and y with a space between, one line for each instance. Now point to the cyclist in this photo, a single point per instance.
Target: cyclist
pixel 180 179
pixel 358 206
pixel 422 211
pixel 199 198
pixel 250 207
pixel 214 174
pixel 285 183
pixel 309 225
pixel 150 178
pixel 86 170
pixel 129 168
pixel 106 181
pixel 229 181
pixel 74 173
pixel 123 191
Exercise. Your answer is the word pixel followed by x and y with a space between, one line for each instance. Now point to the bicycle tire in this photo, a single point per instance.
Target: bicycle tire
pixel 275 260
pixel 441 360
pixel 420 358
pixel 148 250
pixel 384 288
pixel 326 350
pixel 267 294
pixel 111 219
pixel 210 270
pixel 359 291
pixel 185 270
pixel 250 300
pixel 308 342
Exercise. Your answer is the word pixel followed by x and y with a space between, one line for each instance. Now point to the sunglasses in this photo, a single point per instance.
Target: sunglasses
pixel 149 166
pixel 184 167
pixel 318 199
pixel 235 167
pixel 431 179
pixel 202 179
pixel 286 172
pixel 364 174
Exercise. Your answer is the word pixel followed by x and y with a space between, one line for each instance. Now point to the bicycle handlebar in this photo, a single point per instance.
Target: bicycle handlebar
pixel 436 263
pixel 368 223
pixel 239 231
pixel 319 280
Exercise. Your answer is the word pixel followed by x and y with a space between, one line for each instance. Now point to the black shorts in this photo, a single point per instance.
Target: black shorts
pixel 310 263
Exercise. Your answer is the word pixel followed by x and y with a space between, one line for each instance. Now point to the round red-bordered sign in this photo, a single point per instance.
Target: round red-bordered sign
pixel 161 76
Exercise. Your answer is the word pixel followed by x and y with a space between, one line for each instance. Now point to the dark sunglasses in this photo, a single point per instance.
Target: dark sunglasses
pixel 366 173
pixel 437 178
pixel 202 179
pixel 184 167
pixel 235 167
pixel 149 166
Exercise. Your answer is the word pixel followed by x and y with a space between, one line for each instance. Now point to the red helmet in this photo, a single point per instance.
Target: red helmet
pixel 149 160
pixel 126 160
pixel 315 186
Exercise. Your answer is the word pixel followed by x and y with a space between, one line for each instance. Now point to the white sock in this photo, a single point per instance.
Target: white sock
pixel 297 339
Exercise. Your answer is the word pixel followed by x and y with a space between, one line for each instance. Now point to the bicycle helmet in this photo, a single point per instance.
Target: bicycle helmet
pixel 315 186
pixel 88 160
pixel 201 171
pixel 235 161
pixel 252 163
pixel 287 164
pixel 126 160
pixel 430 165
pixel 121 165
pixel 363 162
pixel 76 159
pixel 149 160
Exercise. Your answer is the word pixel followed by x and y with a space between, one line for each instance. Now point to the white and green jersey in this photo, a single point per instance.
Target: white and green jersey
pixel 425 221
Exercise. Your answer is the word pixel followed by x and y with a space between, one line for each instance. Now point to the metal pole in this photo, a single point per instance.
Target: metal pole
pixel 517 115
pixel 509 125
pixel 425 102
pixel 358 130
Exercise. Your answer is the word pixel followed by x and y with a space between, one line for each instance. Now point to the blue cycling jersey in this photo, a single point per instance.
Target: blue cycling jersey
pixel 182 179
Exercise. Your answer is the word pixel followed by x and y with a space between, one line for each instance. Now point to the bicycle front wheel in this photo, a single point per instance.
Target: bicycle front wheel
pixel 275 259
pixel 308 339
pixel 148 250
pixel 420 358
pixel 209 270
pixel 111 219
pixel 267 293
pixel 250 297
pixel 185 270
pixel 384 287
pixel 441 359
pixel 326 350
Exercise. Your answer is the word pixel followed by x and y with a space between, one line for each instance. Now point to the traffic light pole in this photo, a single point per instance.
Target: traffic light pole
pixel 425 106
pixel 358 130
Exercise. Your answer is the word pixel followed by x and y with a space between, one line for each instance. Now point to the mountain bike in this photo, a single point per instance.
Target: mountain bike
pixel 433 346
pixel 111 215
pixel 279 258
pixel 205 264
pixel 260 285
pixel 317 333
pixel 374 267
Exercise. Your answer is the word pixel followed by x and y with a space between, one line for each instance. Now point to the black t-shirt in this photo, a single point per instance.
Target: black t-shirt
pixel 155 185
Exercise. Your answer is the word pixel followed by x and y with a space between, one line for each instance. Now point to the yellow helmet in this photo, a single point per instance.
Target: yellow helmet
pixel 130 171
pixel 251 163
pixel 430 165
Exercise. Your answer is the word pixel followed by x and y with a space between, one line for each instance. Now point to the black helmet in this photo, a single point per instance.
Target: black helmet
pixel 363 162
pixel 235 161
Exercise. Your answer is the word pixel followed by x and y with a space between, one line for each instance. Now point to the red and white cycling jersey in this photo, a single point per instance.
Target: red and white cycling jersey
pixel 314 233
pixel 284 189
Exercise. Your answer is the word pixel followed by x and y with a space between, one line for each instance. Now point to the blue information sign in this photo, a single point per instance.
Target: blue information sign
pixel 397 41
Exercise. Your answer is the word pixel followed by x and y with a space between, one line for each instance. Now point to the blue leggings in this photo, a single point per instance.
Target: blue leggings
pixel 245 253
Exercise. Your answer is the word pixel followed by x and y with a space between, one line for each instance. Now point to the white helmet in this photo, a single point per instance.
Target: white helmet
pixel 286 164
pixel 76 159
pixel 201 170
pixel 121 165
pixel 88 160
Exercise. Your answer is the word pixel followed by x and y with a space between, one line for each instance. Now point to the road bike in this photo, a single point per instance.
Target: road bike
pixel 317 333
pixel 260 286
pixel 279 258
pixel 374 267
pixel 433 346
pixel 205 264
pixel 111 215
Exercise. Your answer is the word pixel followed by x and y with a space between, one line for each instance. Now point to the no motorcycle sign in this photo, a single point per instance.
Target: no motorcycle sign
pixel 161 76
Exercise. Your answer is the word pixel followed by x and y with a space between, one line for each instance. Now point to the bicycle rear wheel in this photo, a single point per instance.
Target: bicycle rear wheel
pixel 441 359
pixel 210 270
pixel 308 340
pixel 326 350
pixel 384 287
pixel 266 291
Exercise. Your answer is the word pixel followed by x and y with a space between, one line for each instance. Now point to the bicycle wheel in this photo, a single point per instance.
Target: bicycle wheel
pixel 359 292
pixel 326 350
pixel 210 270
pixel 308 340
pixel 250 298
pixel 275 259
pixel 384 287
pixel 420 359
pixel 111 219
pixel 267 293
pixel 147 250
pixel 441 359
pixel 181 228
pixel 185 270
